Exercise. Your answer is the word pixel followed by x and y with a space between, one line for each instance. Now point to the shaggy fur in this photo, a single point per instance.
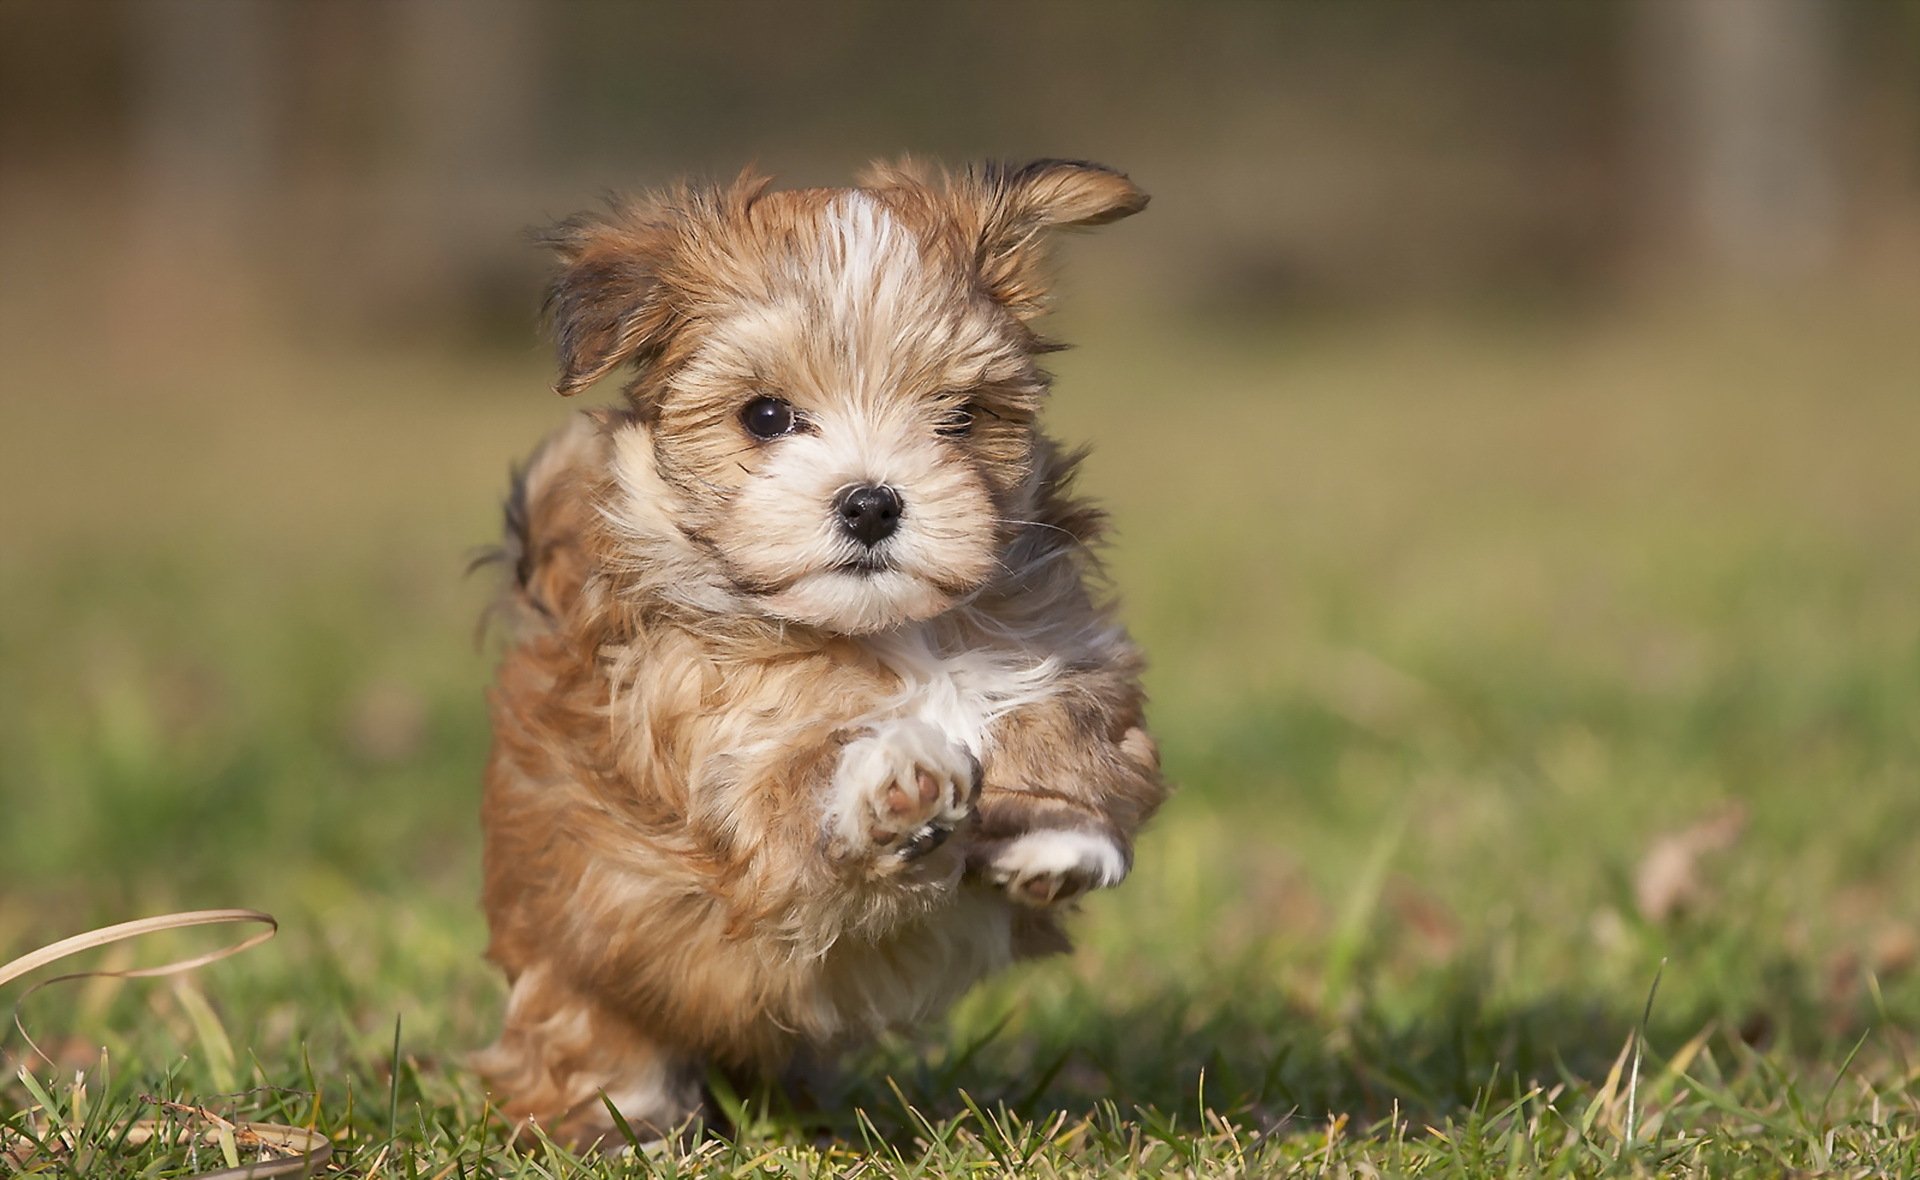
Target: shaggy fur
pixel 758 789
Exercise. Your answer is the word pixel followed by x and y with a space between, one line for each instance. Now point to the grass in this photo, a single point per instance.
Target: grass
pixel 1452 624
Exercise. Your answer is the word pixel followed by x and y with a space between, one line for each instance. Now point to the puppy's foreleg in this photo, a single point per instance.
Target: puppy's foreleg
pixel 898 791
pixel 1062 801
pixel 1052 865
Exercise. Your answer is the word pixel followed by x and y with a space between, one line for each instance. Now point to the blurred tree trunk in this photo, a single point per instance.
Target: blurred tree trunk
pixel 1737 127
pixel 469 112
pixel 205 103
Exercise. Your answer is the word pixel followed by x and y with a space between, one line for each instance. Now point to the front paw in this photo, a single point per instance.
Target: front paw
pixel 899 792
pixel 1053 865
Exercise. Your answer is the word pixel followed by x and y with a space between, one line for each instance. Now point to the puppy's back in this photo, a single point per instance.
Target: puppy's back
pixel 549 512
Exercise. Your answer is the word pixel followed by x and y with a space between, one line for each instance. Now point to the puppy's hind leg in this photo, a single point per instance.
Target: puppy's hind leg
pixel 563 1057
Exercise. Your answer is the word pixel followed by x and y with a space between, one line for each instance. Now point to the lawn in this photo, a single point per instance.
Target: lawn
pixel 1506 667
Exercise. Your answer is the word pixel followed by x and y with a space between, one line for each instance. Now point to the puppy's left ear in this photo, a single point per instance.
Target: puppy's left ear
pixel 1016 206
pixel 1065 192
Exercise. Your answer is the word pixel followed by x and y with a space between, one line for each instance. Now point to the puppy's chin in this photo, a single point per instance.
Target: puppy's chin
pixel 858 602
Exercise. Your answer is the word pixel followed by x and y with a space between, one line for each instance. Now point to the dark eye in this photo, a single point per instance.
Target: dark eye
pixel 957 421
pixel 767 417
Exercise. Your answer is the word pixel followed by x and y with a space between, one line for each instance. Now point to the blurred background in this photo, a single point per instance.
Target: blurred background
pixel 1508 412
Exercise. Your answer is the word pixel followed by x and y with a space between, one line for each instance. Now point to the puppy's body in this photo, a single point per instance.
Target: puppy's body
pixel 745 708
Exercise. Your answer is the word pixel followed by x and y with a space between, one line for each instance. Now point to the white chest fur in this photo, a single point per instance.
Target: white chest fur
pixel 961 693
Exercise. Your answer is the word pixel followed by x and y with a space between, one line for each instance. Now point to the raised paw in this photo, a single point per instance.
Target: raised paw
pixel 1056 864
pixel 900 791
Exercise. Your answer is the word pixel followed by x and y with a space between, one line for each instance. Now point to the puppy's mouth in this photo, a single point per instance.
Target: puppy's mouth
pixel 855 594
pixel 866 564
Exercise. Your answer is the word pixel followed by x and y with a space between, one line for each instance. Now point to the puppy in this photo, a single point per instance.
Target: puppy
pixel 812 713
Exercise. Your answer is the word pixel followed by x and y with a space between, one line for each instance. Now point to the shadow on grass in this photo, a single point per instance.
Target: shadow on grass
pixel 1262 1063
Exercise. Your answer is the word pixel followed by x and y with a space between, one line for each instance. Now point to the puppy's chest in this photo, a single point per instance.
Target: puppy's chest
pixel 962 692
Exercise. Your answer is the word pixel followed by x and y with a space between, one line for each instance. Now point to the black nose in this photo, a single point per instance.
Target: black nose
pixel 869 514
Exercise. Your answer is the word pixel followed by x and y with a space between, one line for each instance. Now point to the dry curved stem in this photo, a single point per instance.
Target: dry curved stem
pixel 309 1150
pixel 138 928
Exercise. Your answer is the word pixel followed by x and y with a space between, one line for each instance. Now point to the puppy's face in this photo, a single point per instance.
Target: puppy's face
pixel 839 386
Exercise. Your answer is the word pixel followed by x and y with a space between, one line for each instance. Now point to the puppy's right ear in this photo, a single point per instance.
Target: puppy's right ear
pixel 607 307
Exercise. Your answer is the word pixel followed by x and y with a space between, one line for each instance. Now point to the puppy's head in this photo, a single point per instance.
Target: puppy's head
pixel 837 388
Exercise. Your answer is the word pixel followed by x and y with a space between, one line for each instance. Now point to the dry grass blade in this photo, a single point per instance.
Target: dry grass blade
pixel 1639 1048
pixel 138 928
pixel 304 1152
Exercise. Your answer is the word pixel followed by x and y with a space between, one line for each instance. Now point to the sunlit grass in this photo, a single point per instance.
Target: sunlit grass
pixel 1449 624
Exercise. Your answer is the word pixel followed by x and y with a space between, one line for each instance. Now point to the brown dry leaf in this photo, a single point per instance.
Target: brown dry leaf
pixel 1667 880
pixel 1896 947
pixel 1891 951
pixel 17 1151
pixel 1433 931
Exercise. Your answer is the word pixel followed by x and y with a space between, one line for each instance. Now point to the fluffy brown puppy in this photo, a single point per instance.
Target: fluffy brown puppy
pixel 811 717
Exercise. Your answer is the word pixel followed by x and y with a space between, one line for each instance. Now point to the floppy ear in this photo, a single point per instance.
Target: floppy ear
pixel 1012 208
pixel 606 306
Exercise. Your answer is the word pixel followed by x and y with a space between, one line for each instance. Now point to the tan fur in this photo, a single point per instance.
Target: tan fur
pixel 723 759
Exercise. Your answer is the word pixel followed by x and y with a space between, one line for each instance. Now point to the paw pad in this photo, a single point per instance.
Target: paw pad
pixel 902 789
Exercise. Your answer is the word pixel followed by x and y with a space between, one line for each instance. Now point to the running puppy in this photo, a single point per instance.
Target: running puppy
pixel 811 716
